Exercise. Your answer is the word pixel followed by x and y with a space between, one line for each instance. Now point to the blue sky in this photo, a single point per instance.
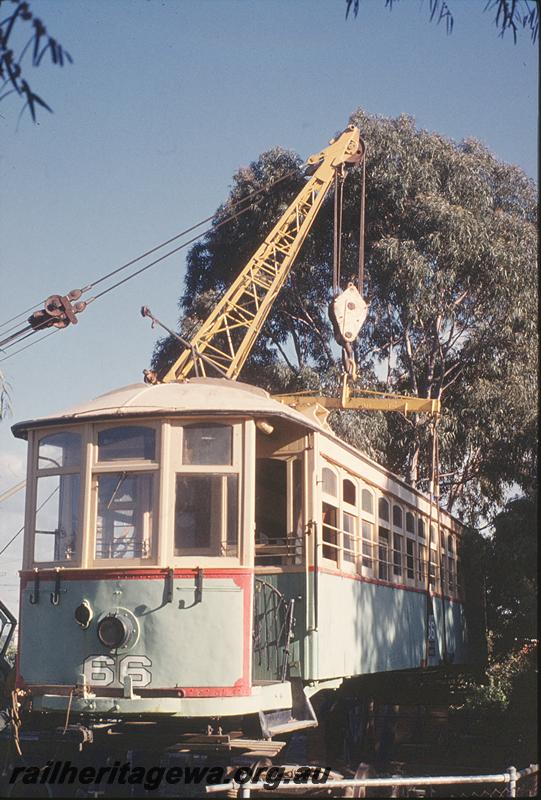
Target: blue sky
pixel 164 101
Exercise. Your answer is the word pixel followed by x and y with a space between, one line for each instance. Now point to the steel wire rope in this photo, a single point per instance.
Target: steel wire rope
pixel 222 222
pixel 36 341
pixel 132 261
pixel 11 319
pixel 3 550
pixel 11 341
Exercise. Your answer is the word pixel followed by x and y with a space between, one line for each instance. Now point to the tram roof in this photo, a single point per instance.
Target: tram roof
pixel 194 397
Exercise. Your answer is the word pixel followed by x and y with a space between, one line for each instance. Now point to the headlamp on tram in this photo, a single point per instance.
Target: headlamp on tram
pixel 117 629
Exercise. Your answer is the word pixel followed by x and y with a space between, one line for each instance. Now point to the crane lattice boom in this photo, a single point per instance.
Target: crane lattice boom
pixel 245 306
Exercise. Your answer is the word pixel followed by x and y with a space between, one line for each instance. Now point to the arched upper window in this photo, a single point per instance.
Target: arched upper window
pixel 126 443
pixel 330 482
pixel 397 516
pixel 59 450
pixel 349 492
pixel 421 528
pixel 207 443
pixel 410 522
pixel 383 509
pixel 367 501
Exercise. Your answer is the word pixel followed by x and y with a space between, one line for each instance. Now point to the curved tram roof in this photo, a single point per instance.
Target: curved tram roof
pixel 196 396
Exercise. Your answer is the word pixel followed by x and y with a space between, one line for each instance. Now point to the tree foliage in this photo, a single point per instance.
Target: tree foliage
pixel 509 15
pixel 23 35
pixel 512 574
pixel 450 274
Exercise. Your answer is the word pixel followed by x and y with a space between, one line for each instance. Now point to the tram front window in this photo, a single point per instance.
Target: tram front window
pixel 206 514
pixel 124 518
pixel 56 520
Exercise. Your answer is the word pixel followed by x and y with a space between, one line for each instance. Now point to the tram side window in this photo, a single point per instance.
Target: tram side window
pixel 56 521
pixel 451 574
pixel 421 564
pixel 398 548
pixel 410 522
pixel 383 553
pixel 367 501
pixel 329 481
pixel 432 568
pixel 368 546
pixel 330 532
pixel 451 564
pixel 410 559
pixel 349 521
pixel 124 515
pixel 330 516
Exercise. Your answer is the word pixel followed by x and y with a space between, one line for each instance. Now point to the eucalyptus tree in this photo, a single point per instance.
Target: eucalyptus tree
pixel 450 275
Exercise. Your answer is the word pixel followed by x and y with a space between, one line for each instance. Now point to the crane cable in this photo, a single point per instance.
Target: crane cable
pixel 5 547
pixel 29 329
pixel 339 177
pixel 360 277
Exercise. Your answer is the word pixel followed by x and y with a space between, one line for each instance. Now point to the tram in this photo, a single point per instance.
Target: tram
pixel 203 551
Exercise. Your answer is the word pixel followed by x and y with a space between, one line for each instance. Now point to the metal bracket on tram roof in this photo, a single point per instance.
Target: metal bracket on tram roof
pixel 372 400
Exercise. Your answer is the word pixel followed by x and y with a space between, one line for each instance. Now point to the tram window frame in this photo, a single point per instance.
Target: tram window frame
pixel 384 547
pixel 369 552
pixel 410 559
pixel 367 492
pixel 42 473
pixel 398 556
pixel 334 537
pixel 330 502
pixel 223 549
pixel 383 503
pixel 351 511
pixel 385 540
pixel 422 566
pixel 146 517
pixel 450 558
pixel 410 530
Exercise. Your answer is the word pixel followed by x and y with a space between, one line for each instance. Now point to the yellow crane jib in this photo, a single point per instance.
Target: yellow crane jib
pixel 227 336
pixel 369 400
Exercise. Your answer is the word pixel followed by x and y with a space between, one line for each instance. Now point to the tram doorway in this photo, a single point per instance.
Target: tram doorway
pixel 278 512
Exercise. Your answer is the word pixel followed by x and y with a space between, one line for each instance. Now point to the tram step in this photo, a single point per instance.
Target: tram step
pixel 300 716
